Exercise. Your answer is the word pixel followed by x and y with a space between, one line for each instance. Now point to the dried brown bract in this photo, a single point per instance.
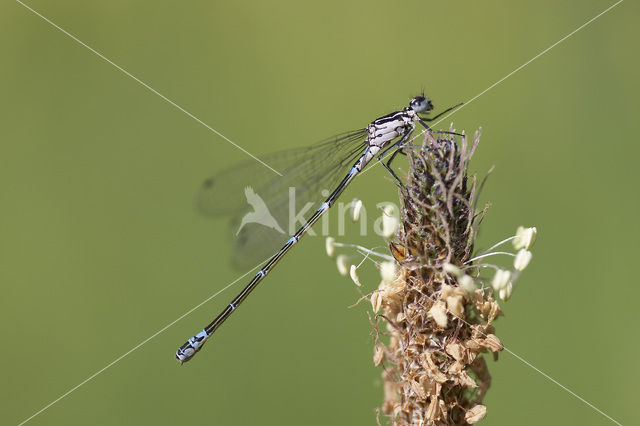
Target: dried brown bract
pixel 437 326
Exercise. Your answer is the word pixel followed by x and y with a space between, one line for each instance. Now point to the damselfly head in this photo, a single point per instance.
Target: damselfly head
pixel 421 104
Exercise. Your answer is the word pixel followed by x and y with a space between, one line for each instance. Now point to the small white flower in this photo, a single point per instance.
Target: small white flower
pixel 467 283
pixel 354 275
pixel 525 237
pixel 388 271
pixel 356 206
pixel 522 259
pixel 452 269
pixel 501 279
pixel 505 292
pixel 343 264
pixel 390 223
pixel 330 246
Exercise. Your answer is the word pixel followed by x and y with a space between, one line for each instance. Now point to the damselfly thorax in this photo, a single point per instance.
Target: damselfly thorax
pixel 386 129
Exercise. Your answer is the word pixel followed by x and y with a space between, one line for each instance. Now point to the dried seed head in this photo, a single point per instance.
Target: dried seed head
pixel 438 323
pixel 456 350
pixel 493 343
pixel 438 312
pixel 433 410
pixel 475 414
pixel 455 305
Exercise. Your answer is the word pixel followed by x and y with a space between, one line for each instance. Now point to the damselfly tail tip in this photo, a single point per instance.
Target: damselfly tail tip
pixel 185 354
pixel 191 346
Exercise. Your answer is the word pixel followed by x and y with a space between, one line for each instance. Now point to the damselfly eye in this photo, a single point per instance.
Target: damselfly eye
pixel 420 104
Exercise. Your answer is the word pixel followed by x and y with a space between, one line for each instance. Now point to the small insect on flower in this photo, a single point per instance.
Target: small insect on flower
pixel 523 257
pixel 525 237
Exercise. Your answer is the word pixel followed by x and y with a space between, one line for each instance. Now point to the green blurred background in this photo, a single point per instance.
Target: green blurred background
pixel 101 246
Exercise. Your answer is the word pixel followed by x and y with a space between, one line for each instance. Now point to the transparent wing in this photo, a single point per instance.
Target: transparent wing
pixel 263 205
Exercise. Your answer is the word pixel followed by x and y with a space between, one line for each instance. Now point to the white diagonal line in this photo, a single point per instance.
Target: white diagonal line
pixel 507 76
pixel 551 379
pixel 542 373
pixel 533 367
pixel 145 85
pixel 136 347
pixel 530 60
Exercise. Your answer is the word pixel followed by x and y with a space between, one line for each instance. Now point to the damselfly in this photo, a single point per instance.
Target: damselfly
pixel 317 164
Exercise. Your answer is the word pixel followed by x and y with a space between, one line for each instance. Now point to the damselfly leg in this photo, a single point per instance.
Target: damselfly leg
pixel 429 119
pixel 399 146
